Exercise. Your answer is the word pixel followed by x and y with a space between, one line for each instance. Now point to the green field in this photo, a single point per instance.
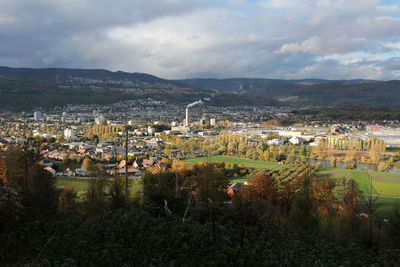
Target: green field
pixel 385 177
pixel 80 184
pixel 364 182
pixel 385 185
pixel 249 163
pixel 387 189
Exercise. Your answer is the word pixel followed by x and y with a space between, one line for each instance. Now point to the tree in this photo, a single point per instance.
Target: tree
pixel 159 192
pixel 66 160
pixel 96 198
pixel 66 202
pixel 394 228
pixel 32 182
pixel 370 209
pixel 86 164
pixel 95 139
pixel 210 183
pixel 304 212
pixel 261 189
pixel 117 193
pixel 3 180
pixel 383 167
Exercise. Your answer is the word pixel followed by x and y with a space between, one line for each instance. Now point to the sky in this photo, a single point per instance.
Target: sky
pixel 176 39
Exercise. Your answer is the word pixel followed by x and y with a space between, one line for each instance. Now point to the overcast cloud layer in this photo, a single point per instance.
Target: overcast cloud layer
pixel 331 39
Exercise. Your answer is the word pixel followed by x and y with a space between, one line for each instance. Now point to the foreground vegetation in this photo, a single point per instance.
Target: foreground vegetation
pixel 385 185
pixel 187 215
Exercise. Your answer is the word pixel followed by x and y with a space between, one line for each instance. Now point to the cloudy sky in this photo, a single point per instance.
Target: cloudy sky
pixel 331 39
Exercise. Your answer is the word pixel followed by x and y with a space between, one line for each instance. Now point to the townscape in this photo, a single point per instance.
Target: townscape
pixel 73 136
pixel 200 133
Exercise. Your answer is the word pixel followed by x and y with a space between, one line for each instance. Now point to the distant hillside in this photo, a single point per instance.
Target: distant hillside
pixel 310 92
pixel 18 94
pixel 84 76
pixel 306 92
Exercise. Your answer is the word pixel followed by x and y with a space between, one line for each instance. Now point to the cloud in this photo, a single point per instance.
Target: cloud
pixel 180 39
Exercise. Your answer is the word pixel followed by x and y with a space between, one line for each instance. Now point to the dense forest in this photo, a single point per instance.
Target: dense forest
pixel 186 215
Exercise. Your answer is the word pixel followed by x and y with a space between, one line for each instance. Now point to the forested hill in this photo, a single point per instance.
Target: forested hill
pixel 311 91
pixel 94 76
pixel 17 94
pixel 306 92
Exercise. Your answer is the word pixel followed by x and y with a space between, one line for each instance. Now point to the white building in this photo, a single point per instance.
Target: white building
pixel 81 172
pixel 100 119
pixel 69 134
pixel 275 142
pixel 296 140
pixel 37 115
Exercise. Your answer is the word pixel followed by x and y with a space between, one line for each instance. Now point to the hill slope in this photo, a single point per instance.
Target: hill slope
pixel 307 92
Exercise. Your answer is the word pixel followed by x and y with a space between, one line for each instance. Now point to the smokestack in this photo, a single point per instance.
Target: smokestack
pixel 187 118
pixel 187 110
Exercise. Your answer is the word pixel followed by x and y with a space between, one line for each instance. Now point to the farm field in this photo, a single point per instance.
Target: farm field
pixel 386 185
pixel 249 163
pixel 387 189
pixel 364 182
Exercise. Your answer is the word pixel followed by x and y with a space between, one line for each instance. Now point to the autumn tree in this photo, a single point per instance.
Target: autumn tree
pixel 304 210
pixel 262 191
pixel 35 185
pixel 86 164
pixel 210 183
pixel 66 203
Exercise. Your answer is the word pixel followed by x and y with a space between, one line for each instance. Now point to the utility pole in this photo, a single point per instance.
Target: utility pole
pixel 126 164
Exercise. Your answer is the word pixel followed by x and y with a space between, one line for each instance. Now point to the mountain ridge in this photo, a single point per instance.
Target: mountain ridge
pixel 302 92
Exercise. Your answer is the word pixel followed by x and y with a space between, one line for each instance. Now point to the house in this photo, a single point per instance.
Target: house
pixel 147 162
pixel 275 142
pixel 51 170
pixel 296 140
pixel 234 189
pixel 121 164
pixel 81 172
pixel 69 173
pixel 81 151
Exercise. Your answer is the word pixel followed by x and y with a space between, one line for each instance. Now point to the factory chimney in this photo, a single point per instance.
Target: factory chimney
pixel 187 118
pixel 187 111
